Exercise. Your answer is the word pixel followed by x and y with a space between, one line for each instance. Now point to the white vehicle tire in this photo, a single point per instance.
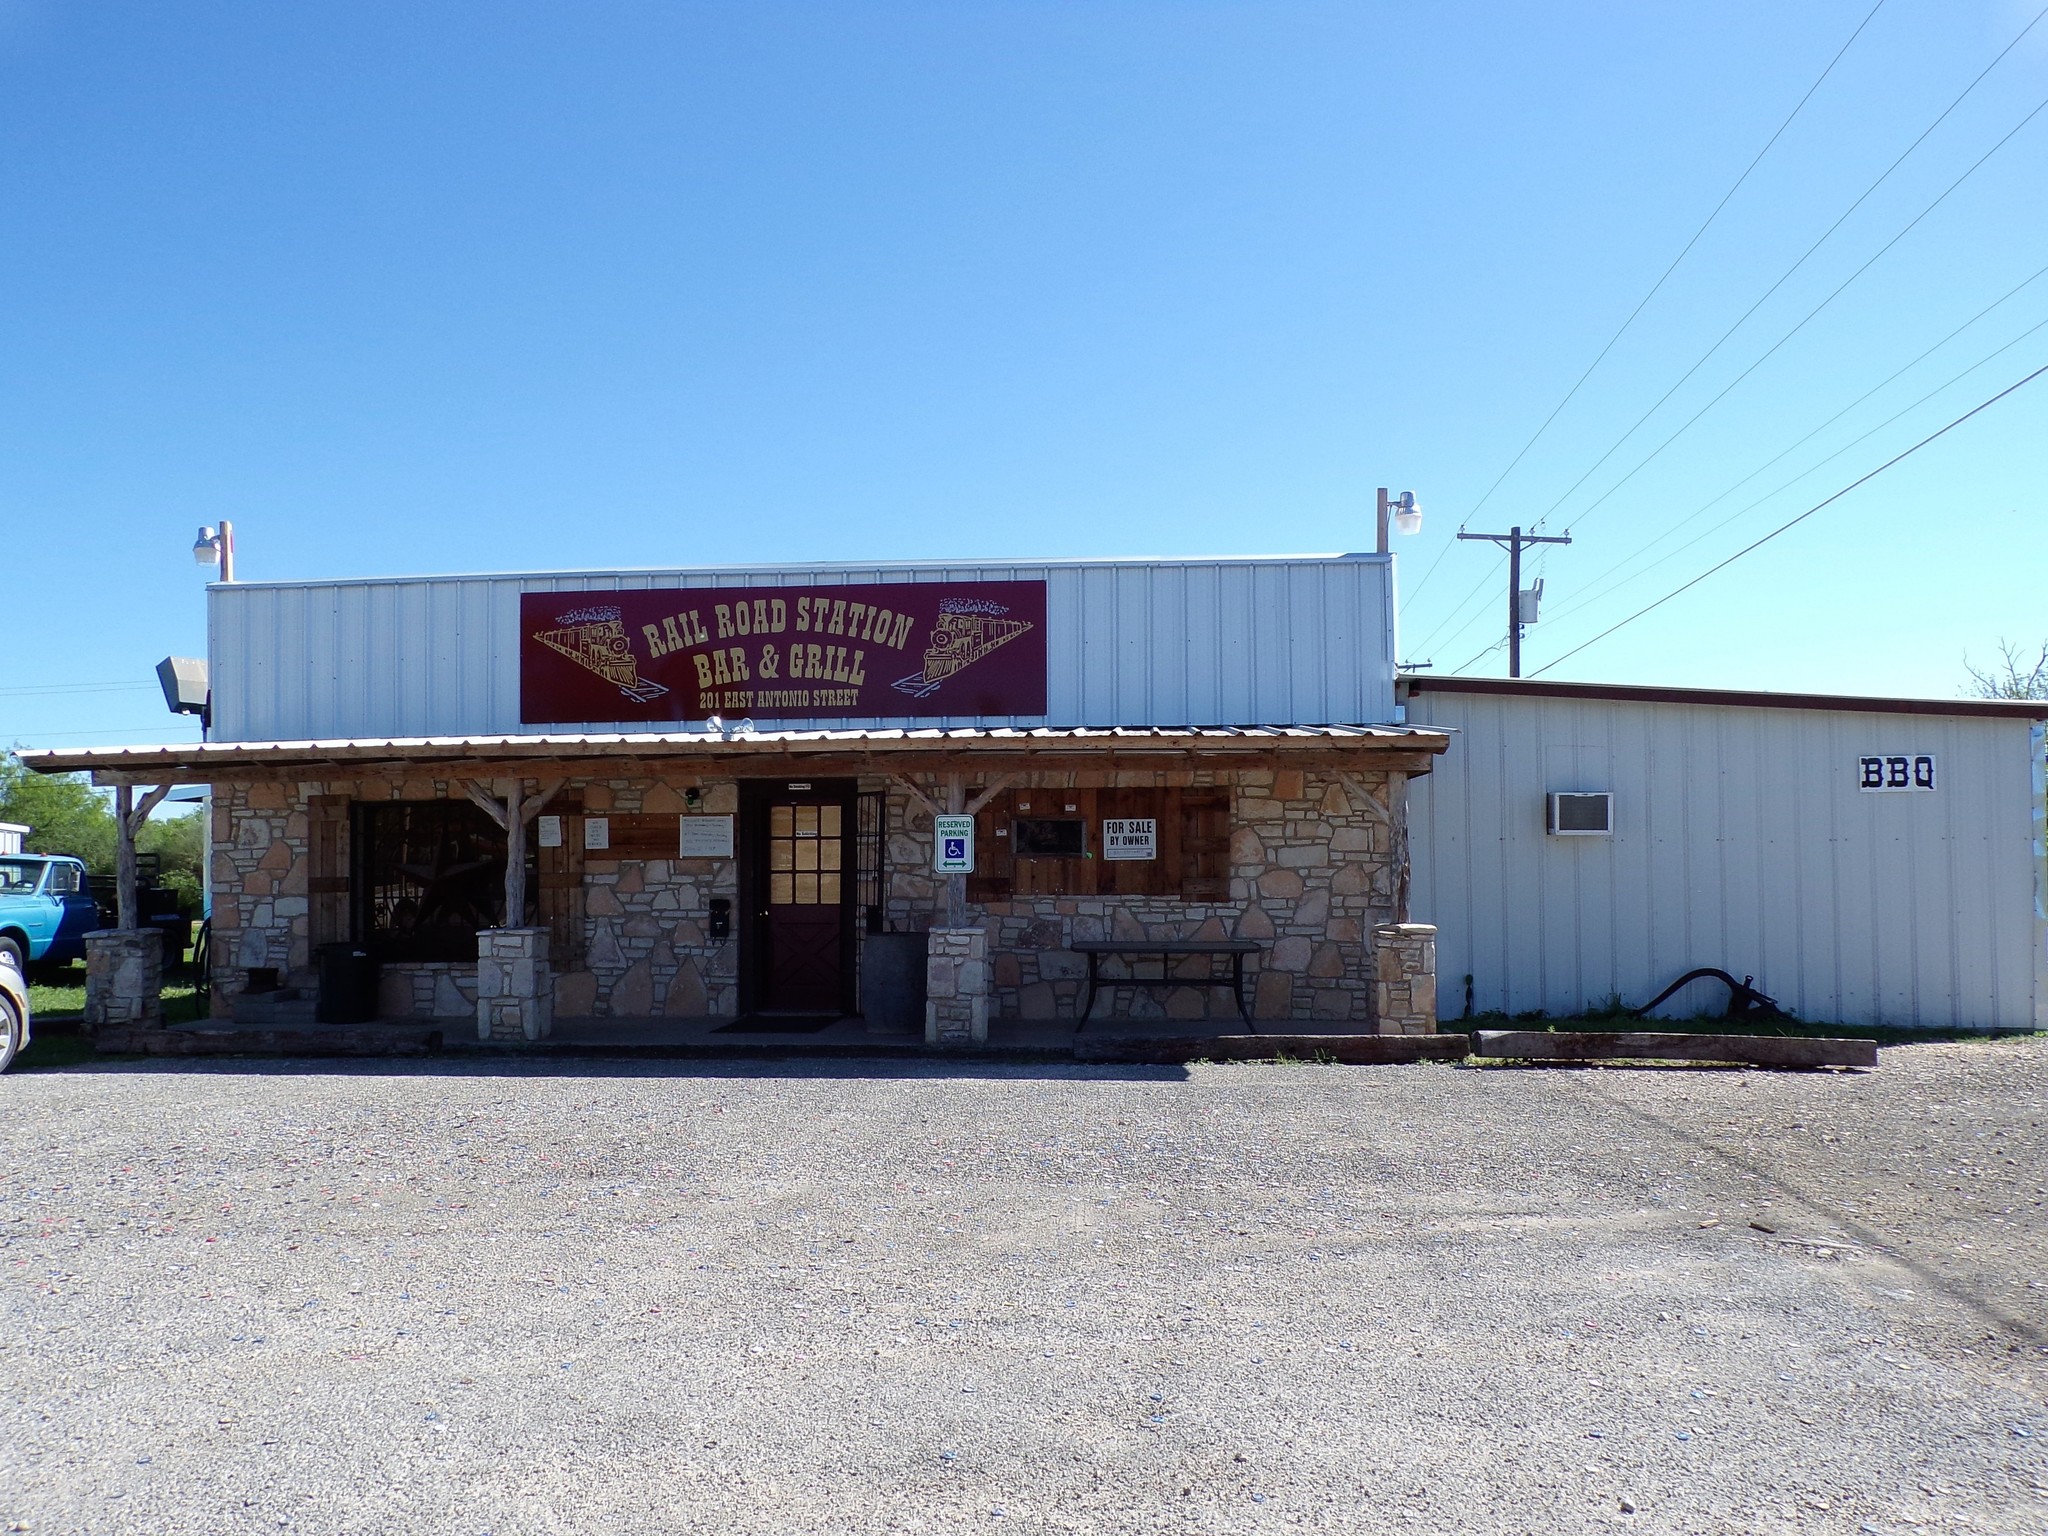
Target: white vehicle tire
pixel 10 1032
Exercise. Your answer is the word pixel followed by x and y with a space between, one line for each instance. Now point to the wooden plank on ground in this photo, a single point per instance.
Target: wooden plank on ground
pixel 1349 1050
pixel 1745 1050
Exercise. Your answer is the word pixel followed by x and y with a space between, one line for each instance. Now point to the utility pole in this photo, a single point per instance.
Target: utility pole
pixel 1514 541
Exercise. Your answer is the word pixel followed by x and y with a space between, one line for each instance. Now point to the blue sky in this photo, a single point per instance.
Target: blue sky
pixel 427 287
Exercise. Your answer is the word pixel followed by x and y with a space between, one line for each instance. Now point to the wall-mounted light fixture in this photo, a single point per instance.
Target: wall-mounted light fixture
pixel 1402 511
pixel 216 546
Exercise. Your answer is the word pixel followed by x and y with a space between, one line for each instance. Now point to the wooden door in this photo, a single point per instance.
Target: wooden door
pixel 803 892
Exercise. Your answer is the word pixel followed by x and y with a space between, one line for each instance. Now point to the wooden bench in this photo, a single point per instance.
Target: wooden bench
pixel 1167 951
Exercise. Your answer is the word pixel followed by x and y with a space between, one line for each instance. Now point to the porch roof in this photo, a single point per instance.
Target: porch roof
pixel 1407 749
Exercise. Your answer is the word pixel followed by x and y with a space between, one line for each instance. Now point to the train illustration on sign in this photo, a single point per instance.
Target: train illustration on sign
pixel 595 638
pixel 966 631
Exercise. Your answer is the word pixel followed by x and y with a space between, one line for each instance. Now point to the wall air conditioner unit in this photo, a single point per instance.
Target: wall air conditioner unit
pixel 1579 813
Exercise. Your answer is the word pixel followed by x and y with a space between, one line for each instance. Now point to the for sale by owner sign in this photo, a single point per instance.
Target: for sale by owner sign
pixel 1130 837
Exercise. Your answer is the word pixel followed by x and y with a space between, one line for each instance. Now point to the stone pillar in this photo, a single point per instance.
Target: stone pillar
pixel 956 987
pixel 1404 978
pixel 515 990
pixel 124 978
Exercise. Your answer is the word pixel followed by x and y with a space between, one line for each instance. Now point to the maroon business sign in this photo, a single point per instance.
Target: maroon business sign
pixel 807 653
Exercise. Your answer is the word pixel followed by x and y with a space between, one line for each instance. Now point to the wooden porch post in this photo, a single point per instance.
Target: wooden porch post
pixel 503 803
pixel 124 856
pixel 515 861
pixel 1397 813
pixel 956 885
pixel 129 819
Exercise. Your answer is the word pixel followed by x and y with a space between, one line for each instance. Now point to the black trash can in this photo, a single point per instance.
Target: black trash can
pixel 892 982
pixel 348 985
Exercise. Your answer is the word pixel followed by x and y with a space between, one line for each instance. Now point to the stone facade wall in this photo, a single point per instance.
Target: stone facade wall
pixel 1310 874
pixel 426 989
pixel 647 952
pixel 956 987
pixel 515 997
pixel 124 978
pixel 1406 958
pixel 645 949
pixel 261 914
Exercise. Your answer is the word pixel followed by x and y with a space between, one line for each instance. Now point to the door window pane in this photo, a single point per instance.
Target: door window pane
pixel 806 852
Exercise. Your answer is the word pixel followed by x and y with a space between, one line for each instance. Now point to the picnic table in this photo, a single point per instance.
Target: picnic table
pixel 1167 951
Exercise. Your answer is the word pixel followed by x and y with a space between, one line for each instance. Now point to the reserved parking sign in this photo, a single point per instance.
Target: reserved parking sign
pixel 953 845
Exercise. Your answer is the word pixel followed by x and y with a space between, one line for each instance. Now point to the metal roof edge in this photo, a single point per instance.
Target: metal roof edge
pixel 1637 693
pixel 427 749
pixel 816 568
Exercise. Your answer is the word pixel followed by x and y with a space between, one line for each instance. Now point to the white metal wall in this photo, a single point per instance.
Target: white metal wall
pixel 1188 642
pixel 1741 841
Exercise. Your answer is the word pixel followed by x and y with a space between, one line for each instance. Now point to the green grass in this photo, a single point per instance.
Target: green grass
pixel 59 994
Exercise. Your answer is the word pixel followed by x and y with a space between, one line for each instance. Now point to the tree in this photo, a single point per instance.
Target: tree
pixel 180 841
pixel 65 814
pixel 2013 676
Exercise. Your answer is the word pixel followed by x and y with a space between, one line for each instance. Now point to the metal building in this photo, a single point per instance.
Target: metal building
pixel 717 795
pixel 1280 641
pixel 1869 861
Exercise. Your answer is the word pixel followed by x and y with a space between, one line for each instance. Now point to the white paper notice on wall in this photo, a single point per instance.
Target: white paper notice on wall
pixel 1896 772
pixel 597 832
pixel 706 837
pixel 548 829
pixel 1130 837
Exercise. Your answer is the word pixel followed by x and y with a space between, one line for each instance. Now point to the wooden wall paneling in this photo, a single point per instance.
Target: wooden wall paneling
pixel 559 897
pixel 992 877
pixel 327 884
pixel 1205 845
pixel 650 836
pixel 1169 869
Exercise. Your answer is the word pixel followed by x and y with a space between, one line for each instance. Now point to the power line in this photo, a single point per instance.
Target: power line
pixel 39 688
pixel 1941 388
pixel 1641 304
pixel 1794 522
pixel 1787 274
pixel 1773 349
pixel 1683 253
pixel 1464 603
pixel 1791 448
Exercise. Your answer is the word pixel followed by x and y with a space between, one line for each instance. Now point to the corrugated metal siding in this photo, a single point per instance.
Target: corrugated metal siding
pixel 1741 841
pixel 1267 642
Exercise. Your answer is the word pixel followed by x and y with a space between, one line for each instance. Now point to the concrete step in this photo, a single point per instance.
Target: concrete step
pixel 274 1010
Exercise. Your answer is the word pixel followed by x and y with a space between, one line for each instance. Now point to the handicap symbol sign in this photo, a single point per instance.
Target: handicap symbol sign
pixel 953 845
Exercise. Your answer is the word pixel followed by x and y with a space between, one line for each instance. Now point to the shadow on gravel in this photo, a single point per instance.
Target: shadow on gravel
pixel 1957 1288
pixel 683 1068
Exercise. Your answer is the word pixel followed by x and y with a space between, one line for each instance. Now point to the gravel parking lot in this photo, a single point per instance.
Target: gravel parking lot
pixel 820 1298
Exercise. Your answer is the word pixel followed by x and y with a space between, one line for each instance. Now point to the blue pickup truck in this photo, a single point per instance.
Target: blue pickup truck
pixel 46 909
